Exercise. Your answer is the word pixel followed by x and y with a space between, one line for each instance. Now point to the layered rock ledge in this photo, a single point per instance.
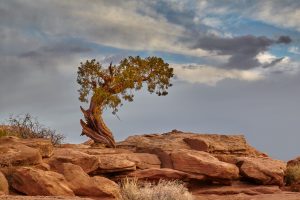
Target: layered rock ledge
pixel 212 166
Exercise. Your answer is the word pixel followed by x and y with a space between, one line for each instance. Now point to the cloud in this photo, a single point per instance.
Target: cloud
pixel 270 64
pixel 211 21
pixel 284 40
pixel 279 13
pixel 243 50
pixel 282 65
pixel 208 75
pixel 55 50
pixel 294 50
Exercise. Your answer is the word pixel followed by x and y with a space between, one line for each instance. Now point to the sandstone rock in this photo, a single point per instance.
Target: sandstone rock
pixel 38 182
pixel 294 162
pixel 164 156
pixel 211 143
pixel 236 188
pixel 13 153
pixel 87 162
pixel 3 184
pixel 276 196
pixel 203 163
pixel 110 188
pixel 44 146
pixel 142 160
pixel 74 146
pixel 43 166
pixel 113 163
pixel 83 185
pixel 105 151
pixel 264 171
pixel 156 174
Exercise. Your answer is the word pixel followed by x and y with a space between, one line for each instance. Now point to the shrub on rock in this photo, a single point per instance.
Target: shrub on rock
pixel 26 126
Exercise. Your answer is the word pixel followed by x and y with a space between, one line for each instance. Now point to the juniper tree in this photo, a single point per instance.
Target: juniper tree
pixel 106 87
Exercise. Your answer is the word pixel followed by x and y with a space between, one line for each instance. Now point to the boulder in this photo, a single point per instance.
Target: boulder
pixel 87 162
pixel 36 182
pixel 264 171
pixel 44 146
pixel 3 185
pixel 83 185
pixel 113 163
pixel 199 162
pixel 13 153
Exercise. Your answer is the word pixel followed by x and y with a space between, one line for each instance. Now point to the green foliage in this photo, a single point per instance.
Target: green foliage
pixel 26 126
pixel 110 85
pixel 292 174
pixel 131 189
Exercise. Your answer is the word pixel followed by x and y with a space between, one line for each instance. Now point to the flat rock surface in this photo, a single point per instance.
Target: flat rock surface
pixel 235 188
pixel 277 196
pixel 211 143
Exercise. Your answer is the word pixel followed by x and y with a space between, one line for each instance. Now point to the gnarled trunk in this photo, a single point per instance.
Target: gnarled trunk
pixel 94 126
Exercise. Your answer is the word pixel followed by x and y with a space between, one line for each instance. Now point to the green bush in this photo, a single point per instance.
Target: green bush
pixel 131 189
pixel 25 126
pixel 292 174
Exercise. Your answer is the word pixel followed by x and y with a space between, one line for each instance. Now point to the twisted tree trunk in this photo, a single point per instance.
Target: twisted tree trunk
pixel 94 126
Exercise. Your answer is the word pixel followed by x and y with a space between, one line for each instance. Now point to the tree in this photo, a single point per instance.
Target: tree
pixel 107 87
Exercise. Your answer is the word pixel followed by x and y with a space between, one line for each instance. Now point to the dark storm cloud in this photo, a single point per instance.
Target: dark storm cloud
pixel 243 49
pixel 284 39
pixel 274 62
pixel 58 49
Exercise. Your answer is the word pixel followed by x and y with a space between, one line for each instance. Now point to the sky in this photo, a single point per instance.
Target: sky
pixel 236 65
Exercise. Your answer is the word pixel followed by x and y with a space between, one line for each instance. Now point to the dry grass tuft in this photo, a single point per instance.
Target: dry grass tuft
pixel 292 174
pixel 131 189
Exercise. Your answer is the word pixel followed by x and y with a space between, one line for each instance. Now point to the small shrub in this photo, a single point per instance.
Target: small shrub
pixel 292 174
pixel 26 126
pixel 131 189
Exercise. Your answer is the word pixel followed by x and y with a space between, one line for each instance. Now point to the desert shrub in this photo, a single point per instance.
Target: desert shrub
pixel 3 133
pixel 292 174
pixel 25 126
pixel 131 189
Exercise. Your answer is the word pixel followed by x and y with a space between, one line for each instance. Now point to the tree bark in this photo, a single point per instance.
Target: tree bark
pixel 94 126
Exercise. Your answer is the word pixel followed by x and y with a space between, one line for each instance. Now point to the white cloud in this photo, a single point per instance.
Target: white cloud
pixel 278 13
pixel 208 75
pixel 294 50
pixel 265 57
pixel 212 22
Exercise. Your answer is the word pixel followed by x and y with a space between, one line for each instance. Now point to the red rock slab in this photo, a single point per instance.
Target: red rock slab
pixel 87 162
pixel 199 162
pixel 33 182
pixel 264 171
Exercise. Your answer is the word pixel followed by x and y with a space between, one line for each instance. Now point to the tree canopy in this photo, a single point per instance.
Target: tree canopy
pixel 109 86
